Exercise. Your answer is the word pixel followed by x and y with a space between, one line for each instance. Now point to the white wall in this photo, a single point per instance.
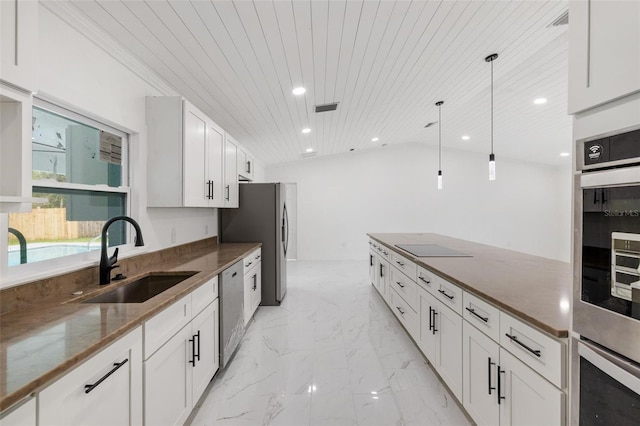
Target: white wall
pixel 393 189
pixel 79 75
pixel 83 76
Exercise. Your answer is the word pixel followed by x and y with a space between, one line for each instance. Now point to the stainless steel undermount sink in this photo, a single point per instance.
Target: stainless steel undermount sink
pixel 142 289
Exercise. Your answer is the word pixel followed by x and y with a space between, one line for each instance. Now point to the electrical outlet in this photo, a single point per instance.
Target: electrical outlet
pixel 173 235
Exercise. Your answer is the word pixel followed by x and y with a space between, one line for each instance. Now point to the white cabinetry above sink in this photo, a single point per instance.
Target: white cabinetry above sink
pixel 191 160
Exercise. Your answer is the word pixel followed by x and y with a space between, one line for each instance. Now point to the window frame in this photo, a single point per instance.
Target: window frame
pixel 19 274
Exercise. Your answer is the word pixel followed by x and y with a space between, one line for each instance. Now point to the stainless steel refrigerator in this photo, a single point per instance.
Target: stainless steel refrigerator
pixel 262 216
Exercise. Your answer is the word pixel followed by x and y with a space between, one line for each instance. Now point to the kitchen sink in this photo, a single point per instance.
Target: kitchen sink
pixel 142 289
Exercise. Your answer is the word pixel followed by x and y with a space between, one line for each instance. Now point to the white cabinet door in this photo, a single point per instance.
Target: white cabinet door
pixel 19 43
pixel 449 348
pixel 22 415
pixel 168 382
pixel 428 339
pixel 373 262
pixel 230 173
pixel 195 182
pixel 256 288
pixel 604 52
pixel 104 390
pixel 204 328
pixel 215 165
pixel 480 358
pixel 529 399
pixel 248 283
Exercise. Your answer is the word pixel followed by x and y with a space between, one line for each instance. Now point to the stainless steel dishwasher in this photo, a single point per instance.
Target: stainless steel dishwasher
pixel 231 311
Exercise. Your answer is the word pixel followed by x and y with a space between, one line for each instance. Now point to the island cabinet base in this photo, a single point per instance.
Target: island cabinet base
pixel 502 370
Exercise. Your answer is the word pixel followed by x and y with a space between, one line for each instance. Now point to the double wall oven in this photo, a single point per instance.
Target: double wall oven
pixel 606 309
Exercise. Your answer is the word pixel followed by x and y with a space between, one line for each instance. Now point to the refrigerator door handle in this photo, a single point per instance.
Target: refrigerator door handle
pixel 285 230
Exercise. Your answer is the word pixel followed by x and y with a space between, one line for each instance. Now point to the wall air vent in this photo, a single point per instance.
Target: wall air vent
pixel 430 124
pixel 560 20
pixel 326 107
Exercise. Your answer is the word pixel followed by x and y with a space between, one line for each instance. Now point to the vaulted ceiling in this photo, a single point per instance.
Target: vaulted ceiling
pixel 385 62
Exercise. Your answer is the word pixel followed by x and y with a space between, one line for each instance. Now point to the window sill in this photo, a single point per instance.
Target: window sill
pixel 22 274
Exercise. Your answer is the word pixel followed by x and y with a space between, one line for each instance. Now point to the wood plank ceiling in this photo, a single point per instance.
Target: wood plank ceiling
pixel 385 62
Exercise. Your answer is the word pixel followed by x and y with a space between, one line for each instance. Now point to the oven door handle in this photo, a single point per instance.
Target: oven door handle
pixel 621 371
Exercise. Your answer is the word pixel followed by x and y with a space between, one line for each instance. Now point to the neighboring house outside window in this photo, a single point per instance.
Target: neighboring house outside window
pixel 81 167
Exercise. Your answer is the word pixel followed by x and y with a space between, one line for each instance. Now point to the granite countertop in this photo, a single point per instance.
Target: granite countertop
pixel 534 289
pixel 43 341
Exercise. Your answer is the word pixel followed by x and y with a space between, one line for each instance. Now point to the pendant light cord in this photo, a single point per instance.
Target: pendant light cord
pixel 491 106
pixel 439 138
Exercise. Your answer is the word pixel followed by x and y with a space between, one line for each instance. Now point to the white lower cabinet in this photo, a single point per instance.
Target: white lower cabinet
pixel 23 414
pixel 178 372
pixel 252 284
pixel 168 382
pixel 382 279
pixel 501 390
pixel 441 340
pixel 104 390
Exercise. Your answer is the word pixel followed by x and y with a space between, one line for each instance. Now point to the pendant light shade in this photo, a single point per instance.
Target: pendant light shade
pixel 492 156
pixel 439 104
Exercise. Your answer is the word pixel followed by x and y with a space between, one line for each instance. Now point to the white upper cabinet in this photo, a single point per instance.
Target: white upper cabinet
pixel 15 149
pixel 187 157
pixel 246 165
pixel 604 52
pixel 231 195
pixel 19 43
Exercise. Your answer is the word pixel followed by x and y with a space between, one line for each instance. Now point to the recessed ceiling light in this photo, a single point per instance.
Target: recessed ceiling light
pixel 309 149
pixel 375 139
pixel 299 91
pixel 307 130
pixel 465 138
pixel 564 154
pixel 540 101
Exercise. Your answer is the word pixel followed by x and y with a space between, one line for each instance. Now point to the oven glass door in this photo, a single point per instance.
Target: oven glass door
pixel 610 248
pixel 609 389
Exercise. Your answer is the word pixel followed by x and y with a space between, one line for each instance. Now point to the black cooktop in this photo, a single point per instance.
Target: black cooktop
pixel 431 250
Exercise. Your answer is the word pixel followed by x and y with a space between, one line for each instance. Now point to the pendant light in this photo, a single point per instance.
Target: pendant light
pixel 439 104
pixel 492 157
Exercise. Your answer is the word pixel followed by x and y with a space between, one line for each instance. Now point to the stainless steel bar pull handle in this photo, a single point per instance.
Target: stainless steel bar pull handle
pixel 228 192
pixel 116 366
pixel 423 279
pixel 400 310
pixel 430 318
pixel 399 263
pixel 400 284
pixel 192 361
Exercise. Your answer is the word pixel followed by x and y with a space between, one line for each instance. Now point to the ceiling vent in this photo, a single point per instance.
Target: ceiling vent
pixel 431 124
pixel 560 20
pixel 326 107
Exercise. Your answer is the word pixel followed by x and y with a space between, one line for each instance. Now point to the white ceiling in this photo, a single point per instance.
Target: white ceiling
pixel 385 62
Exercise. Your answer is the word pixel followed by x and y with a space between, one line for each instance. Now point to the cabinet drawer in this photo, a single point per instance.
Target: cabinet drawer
pixel 251 260
pixel 484 316
pixel 407 316
pixel 449 294
pixel 406 288
pixel 539 351
pixel 204 295
pixel 403 264
pixel 382 250
pixel 161 327
pixel 426 279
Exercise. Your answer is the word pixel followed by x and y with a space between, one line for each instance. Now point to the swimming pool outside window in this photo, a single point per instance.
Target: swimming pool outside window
pixel 80 167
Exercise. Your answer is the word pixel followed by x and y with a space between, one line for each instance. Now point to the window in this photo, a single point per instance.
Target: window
pixel 80 167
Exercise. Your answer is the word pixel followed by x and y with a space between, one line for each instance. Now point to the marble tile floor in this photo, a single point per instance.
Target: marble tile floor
pixel 331 354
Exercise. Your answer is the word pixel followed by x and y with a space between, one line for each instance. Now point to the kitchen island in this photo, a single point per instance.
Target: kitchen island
pixel 492 322
pixel 47 332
